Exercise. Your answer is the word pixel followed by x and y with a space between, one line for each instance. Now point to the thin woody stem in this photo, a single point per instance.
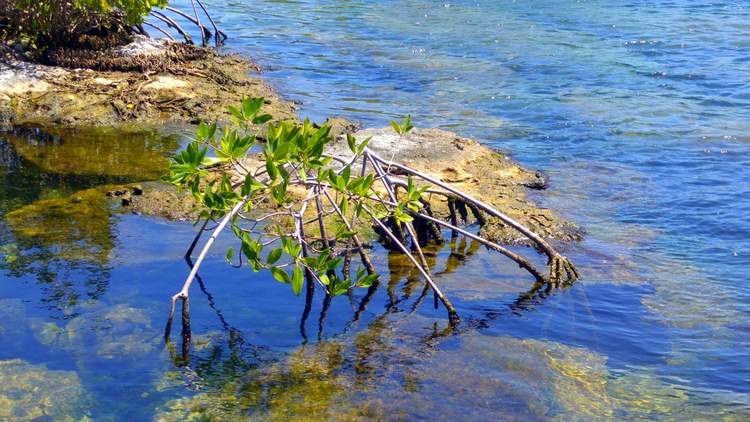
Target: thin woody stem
pixel 487 208
pixel 184 292
pixel 190 18
pixel 198 22
pixel 448 305
pixel 217 31
pixel 409 226
pixel 362 254
pixel 172 24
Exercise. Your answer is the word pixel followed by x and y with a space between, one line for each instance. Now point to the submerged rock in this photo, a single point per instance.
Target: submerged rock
pixel 75 228
pixel 34 393
pixel 118 331
pixel 305 386
pixel 97 153
pixel 392 372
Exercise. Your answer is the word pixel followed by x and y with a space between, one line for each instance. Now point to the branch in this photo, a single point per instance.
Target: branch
pixel 184 292
pixel 560 266
pixel 453 315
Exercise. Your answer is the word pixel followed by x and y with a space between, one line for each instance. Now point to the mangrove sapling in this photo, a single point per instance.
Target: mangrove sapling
pixel 299 210
pixel 49 28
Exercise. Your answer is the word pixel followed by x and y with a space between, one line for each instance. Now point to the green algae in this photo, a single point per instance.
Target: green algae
pixel 331 380
pixel 306 386
pixel 406 369
pixel 33 392
pixel 109 332
pixel 98 152
pixel 75 228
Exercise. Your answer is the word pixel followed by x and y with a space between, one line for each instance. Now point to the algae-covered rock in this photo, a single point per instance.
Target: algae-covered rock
pixel 34 393
pixel 104 153
pixel 118 331
pixel 382 373
pixel 528 379
pixel 73 228
pixel 305 386
pixel 65 243
pixel 183 84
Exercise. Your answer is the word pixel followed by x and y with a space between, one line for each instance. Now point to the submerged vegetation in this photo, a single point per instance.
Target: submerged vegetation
pixel 33 392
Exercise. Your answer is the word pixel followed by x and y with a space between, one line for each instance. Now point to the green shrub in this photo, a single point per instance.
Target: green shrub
pixel 44 25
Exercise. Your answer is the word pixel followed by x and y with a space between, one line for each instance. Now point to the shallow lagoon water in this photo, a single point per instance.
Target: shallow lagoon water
pixel 639 113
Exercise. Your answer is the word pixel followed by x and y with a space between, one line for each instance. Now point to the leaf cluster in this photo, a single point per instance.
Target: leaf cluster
pixel 293 155
pixel 49 24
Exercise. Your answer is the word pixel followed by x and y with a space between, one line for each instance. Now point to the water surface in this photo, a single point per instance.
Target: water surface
pixel 639 113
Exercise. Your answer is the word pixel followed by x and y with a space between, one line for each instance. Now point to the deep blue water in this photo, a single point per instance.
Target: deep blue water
pixel 638 111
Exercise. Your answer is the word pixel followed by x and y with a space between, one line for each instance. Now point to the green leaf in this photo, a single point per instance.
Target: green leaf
pixel 273 171
pixel 401 216
pixel 210 161
pixel 406 125
pixel 363 145
pixel 205 132
pixel 273 256
pixel 251 185
pixel 280 275
pixel 340 287
pixel 297 280
pixel 344 205
pixel 230 254
pixel 279 193
pixel 367 281
pixel 331 177
pixel 263 118
pixel 234 111
pixel 360 273
pixel 281 152
pixel 396 126
pixel 251 106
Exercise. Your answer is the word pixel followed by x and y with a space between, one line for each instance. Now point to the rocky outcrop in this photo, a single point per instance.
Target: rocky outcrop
pixel 169 83
pixel 463 163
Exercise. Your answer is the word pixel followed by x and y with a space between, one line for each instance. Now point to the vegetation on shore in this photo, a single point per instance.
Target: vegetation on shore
pixel 42 27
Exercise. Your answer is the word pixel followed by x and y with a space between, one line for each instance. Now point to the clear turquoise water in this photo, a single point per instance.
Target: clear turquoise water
pixel 638 112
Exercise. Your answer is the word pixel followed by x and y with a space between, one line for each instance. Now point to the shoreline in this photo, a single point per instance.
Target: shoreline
pixel 185 86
